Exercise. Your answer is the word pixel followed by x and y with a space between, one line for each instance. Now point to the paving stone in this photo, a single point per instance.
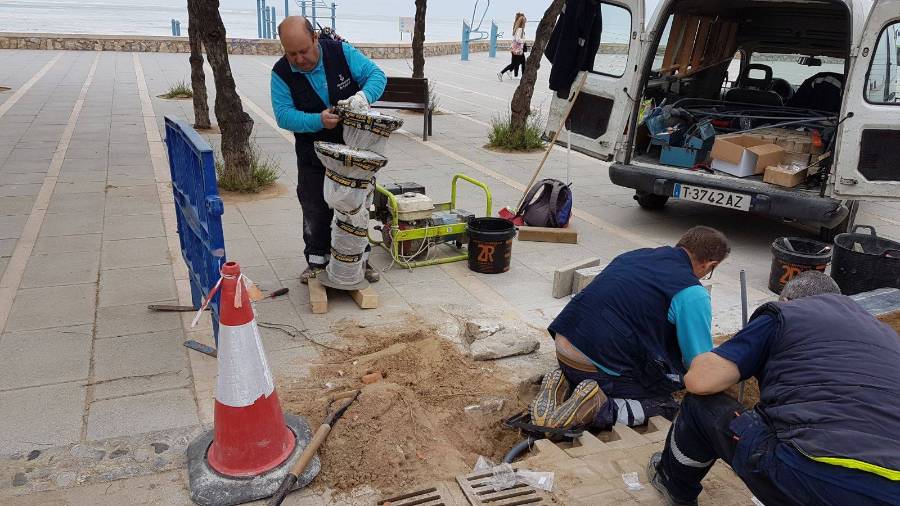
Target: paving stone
pixel 61 269
pixel 16 205
pixel 117 321
pixel 135 252
pixel 40 417
pixel 136 284
pixel 628 438
pixel 140 363
pixel 19 190
pixel 27 178
pixel 288 247
pixel 7 246
pixel 78 203
pixel 41 357
pixel 132 204
pixel 67 244
pixel 133 227
pixel 141 413
pixel 37 308
pixel 11 226
pixel 67 187
pixel 587 444
pixel 288 268
pixel 71 224
pixel 245 252
pixel 82 176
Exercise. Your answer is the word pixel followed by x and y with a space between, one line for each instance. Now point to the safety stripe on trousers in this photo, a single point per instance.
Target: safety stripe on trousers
pixel 244 373
pixel 681 457
pixel 630 412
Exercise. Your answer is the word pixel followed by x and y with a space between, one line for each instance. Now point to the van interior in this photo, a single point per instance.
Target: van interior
pixel 770 69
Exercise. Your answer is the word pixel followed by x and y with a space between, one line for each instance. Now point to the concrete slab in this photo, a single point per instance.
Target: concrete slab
pixel 42 357
pixel 59 268
pixel 131 319
pixel 135 252
pixel 141 413
pixel 140 363
pixel 67 244
pixel 132 227
pixel 41 308
pixel 40 417
pixel 11 226
pixel 120 287
pixel 66 187
pixel 78 203
pixel 71 224
pixel 16 205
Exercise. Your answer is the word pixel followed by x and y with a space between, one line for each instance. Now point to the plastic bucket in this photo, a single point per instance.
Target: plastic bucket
pixel 793 255
pixel 490 244
pixel 864 262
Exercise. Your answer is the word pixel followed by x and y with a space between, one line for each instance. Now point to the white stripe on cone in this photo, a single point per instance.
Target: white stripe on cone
pixel 243 369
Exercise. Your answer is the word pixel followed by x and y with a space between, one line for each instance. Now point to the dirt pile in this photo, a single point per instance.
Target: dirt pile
pixel 413 426
pixel 892 319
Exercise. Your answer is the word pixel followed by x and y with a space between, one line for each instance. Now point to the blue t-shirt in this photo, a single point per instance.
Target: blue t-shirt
pixel 749 350
pixel 367 75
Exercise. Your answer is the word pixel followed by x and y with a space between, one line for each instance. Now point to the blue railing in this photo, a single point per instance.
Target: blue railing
pixel 198 209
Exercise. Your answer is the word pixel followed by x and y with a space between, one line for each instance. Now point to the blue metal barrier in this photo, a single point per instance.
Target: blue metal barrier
pixel 198 209
pixel 492 48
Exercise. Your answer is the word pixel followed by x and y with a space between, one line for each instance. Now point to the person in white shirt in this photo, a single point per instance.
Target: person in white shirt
pixel 516 49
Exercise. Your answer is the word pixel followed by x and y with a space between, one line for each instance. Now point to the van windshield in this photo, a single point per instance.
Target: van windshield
pixel 786 66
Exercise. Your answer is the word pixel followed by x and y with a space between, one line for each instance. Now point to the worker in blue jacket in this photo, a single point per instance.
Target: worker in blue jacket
pixel 313 76
pixel 826 430
pixel 624 343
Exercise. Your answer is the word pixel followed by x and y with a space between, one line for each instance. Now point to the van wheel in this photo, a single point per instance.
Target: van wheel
pixel 650 201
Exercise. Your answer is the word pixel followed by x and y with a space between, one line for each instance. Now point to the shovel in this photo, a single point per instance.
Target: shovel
pixel 309 452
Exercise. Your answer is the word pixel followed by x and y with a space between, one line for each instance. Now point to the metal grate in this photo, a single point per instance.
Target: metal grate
pixel 429 496
pixel 478 491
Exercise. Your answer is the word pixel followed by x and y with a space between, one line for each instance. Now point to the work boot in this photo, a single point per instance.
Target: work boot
pixel 655 479
pixel 372 274
pixel 554 388
pixel 581 407
pixel 310 272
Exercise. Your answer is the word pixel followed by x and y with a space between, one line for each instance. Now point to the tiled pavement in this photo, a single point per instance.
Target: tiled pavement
pixel 86 231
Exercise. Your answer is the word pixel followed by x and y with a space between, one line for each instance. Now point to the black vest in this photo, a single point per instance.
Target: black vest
pixel 340 87
pixel 621 320
pixel 831 382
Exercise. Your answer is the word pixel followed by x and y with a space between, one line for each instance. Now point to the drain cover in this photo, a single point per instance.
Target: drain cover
pixel 423 497
pixel 476 487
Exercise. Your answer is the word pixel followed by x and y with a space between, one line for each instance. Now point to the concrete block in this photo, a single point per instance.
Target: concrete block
pixel 583 277
pixel 61 269
pixel 120 287
pixel 41 357
pixel 657 429
pixel 565 276
pixel 140 363
pixel 587 444
pixel 544 454
pixel 131 319
pixel 132 227
pixel 141 413
pixel 40 308
pixel 135 252
pixel 627 438
pixel 35 418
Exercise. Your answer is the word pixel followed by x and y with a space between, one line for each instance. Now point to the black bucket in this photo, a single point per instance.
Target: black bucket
pixel 793 255
pixel 864 262
pixel 490 244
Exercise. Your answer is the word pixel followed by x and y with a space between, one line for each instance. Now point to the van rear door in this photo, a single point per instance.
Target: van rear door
pixel 598 117
pixel 867 161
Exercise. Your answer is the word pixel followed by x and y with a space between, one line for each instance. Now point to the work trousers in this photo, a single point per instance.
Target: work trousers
pixel 621 406
pixel 316 213
pixel 717 427
pixel 518 60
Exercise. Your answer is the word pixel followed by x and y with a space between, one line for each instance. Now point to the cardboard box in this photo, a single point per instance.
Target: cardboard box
pixel 801 159
pixel 788 177
pixel 744 155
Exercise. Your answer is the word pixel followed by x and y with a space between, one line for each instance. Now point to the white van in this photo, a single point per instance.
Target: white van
pixel 831 63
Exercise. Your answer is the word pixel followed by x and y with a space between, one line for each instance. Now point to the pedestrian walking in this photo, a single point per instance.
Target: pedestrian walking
pixel 516 49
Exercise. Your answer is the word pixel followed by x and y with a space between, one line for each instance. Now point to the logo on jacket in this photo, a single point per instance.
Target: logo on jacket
pixel 343 82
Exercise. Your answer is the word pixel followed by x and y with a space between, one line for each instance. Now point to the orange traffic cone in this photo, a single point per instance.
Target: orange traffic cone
pixel 250 433
pixel 253 444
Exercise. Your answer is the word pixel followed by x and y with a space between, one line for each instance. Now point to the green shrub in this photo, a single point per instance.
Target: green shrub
pixel 503 136
pixel 179 90
pixel 264 173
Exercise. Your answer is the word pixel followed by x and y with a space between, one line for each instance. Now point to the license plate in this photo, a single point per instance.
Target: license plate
pixel 712 197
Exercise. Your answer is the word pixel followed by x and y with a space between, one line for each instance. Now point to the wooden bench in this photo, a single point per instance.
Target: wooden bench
pixel 408 93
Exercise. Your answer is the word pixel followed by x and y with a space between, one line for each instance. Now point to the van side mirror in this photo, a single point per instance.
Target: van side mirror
pixel 810 61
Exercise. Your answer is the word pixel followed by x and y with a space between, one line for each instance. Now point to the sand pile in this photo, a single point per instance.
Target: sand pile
pixel 413 426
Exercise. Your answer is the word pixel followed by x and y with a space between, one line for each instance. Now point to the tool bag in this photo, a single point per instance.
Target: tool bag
pixel 547 204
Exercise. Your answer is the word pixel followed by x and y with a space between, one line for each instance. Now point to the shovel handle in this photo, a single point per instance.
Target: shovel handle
pixel 297 469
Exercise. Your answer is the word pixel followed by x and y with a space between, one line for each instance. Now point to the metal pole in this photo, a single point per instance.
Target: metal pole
pixel 744 311
pixel 265 12
pixel 333 25
pixel 313 5
pixel 286 8
pixel 492 49
pixel 178 26
pixel 172 21
pixel 464 48
pixel 273 30
pixel 259 19
pixel 303 8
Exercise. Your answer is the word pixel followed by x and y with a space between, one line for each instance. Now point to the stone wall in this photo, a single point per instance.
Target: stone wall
pixel 155 44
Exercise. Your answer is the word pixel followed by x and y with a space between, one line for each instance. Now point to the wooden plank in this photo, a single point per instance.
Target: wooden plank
pixel 564 277
pixel 673 45
pixel 366 298
pixel 683 58
pixel 699 55
pixel 318 297
pixel 548 234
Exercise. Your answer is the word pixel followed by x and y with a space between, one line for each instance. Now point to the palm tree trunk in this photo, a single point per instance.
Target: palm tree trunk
pixel 236 125
pixel 198 79
pixel 520 107
pixel 418 40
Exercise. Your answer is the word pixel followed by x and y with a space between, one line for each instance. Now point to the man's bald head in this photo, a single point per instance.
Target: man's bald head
pixel 299 41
